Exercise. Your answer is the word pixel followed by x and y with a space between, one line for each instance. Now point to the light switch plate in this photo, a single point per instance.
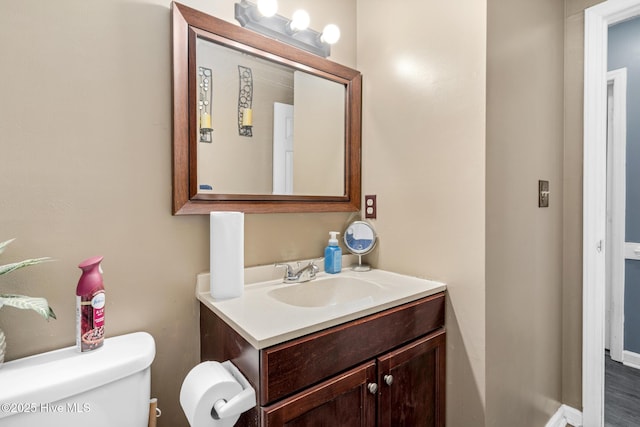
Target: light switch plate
pixel 543 194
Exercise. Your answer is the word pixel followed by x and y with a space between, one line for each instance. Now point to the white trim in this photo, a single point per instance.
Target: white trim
pixel 573 416
pixel 632 250
pixel 565 415
pixel 557 420
pixel 616 186
pixel 631 359
pixel 593 269
pixel 608 259
pixel 597 21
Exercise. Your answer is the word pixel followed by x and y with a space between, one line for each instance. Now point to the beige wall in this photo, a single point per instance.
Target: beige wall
pixel 85 130
pixel 85 127
pixel 524 242
pixel 423 68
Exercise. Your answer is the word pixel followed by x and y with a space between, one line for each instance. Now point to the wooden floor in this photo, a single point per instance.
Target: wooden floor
pixel 622 395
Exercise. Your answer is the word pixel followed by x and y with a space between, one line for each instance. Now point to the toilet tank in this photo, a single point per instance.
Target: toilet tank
pixel 107 387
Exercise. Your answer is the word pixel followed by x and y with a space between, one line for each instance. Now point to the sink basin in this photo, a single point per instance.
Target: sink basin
pixel 325 292
pixel 270 312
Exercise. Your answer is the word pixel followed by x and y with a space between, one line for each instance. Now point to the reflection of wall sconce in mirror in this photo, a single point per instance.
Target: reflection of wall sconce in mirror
pixel 245 100
pixel 263 19
pixel 247 117
pixel 204 103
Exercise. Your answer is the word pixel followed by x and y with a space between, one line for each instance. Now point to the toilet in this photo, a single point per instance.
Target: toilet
pixel 64 388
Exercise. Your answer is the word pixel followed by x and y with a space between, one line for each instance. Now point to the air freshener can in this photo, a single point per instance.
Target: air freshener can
pixel 90 306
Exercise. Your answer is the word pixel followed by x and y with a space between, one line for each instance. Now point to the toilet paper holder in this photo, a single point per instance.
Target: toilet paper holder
pixel 238 404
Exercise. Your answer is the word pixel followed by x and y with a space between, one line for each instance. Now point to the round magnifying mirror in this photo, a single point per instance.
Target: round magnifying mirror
pixel 360 239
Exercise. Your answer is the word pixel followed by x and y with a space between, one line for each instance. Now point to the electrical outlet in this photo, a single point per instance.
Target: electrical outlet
pixel 370 208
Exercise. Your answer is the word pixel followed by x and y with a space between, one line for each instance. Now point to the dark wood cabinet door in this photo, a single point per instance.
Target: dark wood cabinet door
pixel 293 366
pixel 412 384
pixel 342 401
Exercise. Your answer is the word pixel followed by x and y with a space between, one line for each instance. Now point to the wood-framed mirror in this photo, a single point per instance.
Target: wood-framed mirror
pixel 224 161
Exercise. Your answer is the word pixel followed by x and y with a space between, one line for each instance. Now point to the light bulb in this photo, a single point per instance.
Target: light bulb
pixel 330 34
pixel 267 8
pixel 299 21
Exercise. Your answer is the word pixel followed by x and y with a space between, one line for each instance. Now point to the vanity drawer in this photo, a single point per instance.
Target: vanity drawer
pixel 297 364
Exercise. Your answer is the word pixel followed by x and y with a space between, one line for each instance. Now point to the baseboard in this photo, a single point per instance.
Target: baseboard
pixel 557 420
pixel 631 359
pixel 572 415
pixel 565 415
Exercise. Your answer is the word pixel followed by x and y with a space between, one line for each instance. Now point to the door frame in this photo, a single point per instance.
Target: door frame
pixel 616 201
pixel 597 21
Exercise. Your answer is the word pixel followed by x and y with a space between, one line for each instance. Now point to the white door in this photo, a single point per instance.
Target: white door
pixel 282 148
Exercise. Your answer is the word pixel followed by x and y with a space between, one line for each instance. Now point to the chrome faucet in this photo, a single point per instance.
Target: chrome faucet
pixel 302 274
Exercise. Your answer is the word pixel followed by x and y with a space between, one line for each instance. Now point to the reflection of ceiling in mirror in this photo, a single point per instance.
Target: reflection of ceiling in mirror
pixel 274 73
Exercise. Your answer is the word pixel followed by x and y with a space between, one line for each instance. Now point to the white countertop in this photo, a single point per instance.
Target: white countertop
pixel 264 321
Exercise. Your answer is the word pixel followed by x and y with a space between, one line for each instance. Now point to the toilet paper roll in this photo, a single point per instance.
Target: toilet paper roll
pixel 226 254
pixel 206 384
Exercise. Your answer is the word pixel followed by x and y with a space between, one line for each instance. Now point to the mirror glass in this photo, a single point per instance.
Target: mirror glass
pixel 260 126
pixel 359 238
pixel 294 141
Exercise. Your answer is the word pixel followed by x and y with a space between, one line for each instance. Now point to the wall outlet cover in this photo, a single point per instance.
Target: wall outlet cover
pixel 543 194
pixel 370 207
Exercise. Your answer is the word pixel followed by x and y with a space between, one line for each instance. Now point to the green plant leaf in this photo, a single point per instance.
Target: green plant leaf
pixel 23 302
pixel 4 244
pixel 8 268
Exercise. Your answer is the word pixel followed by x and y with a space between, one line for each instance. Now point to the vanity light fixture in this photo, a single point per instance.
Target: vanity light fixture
pixel 267 8
pixel 330 34
pixel 293 31
pixel 300 21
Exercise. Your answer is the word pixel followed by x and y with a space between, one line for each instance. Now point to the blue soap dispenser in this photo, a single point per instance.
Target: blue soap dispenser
pixel 333 255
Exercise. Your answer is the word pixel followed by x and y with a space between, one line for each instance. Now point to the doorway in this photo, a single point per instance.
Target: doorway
pixel 597 21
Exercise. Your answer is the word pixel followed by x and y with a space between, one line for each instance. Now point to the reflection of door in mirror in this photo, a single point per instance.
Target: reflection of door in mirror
pixel 282 148
pixel 237 164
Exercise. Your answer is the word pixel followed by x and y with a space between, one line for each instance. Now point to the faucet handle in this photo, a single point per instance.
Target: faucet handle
pixel 314 266
pixel 314 261
pixel 287 269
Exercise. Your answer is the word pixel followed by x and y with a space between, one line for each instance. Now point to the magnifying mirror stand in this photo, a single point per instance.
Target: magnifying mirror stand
pixel 361 266
pixel 360 239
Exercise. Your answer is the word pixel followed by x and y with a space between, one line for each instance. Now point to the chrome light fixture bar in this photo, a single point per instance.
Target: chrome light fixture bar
pixel 280 28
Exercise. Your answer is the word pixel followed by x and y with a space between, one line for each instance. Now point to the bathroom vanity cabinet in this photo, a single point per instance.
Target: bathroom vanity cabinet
pixel 385 369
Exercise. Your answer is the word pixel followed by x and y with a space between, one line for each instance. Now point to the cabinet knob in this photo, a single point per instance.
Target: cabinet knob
pixel 388 379
pixel 373 388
